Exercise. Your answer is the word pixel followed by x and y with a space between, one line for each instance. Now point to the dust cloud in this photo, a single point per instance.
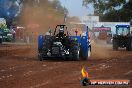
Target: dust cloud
pixel 101 50
pixel 38 19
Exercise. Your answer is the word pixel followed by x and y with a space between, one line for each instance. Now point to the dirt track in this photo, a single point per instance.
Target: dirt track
pixel 21 69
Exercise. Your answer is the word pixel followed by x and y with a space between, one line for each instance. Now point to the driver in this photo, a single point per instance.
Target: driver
pixel 61 32
pixel 61 36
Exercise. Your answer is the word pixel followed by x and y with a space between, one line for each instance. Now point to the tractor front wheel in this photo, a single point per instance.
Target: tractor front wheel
pixel 75 53
pixel 129 45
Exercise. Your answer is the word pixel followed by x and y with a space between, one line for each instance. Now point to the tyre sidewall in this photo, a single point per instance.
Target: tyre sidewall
pixel 75 53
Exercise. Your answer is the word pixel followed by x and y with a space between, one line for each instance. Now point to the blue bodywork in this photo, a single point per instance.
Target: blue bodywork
pixel 83 41
pixel 40 41
pixel 84 44
pixel 122 26
pixel 126 26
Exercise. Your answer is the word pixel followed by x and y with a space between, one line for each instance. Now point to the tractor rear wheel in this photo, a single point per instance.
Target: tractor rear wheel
pixel 129 45
pixel 42 53
pixel 0 40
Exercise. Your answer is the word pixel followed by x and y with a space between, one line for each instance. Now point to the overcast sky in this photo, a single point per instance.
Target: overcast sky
pixel 75 8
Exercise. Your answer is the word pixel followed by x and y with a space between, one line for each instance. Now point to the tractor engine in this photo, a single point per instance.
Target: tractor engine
pixel 57 49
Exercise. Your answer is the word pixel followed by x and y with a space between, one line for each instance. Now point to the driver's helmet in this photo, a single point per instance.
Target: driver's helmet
pixel 61 30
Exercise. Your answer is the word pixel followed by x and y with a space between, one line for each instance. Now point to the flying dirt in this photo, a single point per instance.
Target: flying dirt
pixel 20 67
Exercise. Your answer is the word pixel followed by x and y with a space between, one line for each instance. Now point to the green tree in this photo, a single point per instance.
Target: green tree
pixel 103 6
pixel 111 10
pixel 123 14
pixel 57 5
pixel 126 11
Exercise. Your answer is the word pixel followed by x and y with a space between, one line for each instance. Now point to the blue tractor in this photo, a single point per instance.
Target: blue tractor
pixel 62 45
pixel 122 38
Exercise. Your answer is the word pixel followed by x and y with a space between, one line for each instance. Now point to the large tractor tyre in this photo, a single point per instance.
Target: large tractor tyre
pixel 1 40
pixel 129 45
pixel 48 41
pixel 42 53
pixel 115 45
pixel 75 53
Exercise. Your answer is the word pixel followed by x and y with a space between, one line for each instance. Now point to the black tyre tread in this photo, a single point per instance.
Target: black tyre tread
pixel 76 56
pixel 129 45
pixel 74 53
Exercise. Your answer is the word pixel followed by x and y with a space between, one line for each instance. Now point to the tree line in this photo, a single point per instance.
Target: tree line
pixel 111 10
pixel 54 3
pixel 12 19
